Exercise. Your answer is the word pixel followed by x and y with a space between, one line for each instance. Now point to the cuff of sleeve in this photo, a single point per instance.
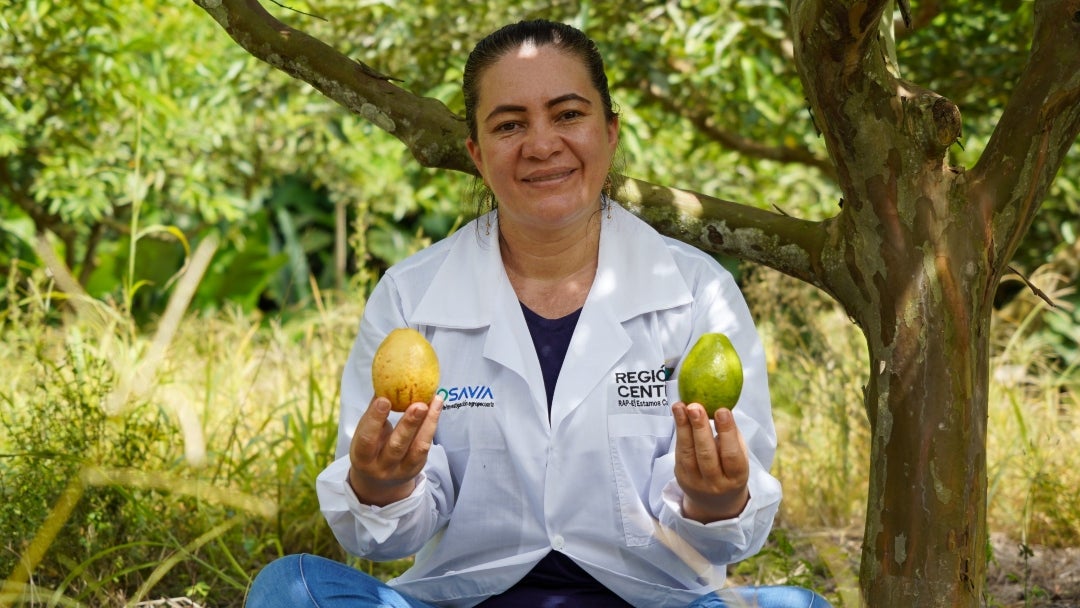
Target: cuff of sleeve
pixel 381 522
pixel 748 530
pixel 672 495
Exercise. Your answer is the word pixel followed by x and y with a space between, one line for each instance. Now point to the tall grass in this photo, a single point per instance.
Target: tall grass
pixel 1035 418
pixel 199 472
pixel 202 470
pixel 816 358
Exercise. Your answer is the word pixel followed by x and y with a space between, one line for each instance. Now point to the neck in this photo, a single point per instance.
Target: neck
pixel 551 273
pixel 549 256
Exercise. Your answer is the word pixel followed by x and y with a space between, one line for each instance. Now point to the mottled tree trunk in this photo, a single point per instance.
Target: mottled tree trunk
pixel 912 269
pixel 925 540
pixel 914 257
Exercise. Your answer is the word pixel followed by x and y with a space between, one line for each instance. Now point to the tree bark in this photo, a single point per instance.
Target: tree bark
pixel 914 255
pixel 919 250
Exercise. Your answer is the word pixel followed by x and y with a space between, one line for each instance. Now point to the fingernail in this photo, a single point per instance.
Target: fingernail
pixel 723 416
pixel 680 414
pixel 382 405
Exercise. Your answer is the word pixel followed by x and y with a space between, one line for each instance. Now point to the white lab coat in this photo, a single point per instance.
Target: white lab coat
pixel 502 485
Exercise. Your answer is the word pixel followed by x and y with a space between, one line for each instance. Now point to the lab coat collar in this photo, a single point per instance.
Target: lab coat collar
pixel 636 274
pixel 462 293
pixel 471 291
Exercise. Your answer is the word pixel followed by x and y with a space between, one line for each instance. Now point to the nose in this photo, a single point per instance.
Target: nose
pixel 541 141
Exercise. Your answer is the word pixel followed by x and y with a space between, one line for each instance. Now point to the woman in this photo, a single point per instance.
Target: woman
pixel 556 466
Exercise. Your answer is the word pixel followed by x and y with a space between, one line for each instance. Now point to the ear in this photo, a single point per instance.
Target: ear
pixel 474 154
pixel 613 135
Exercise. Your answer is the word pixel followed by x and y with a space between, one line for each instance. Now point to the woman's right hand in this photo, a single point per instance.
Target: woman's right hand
pixel 386 459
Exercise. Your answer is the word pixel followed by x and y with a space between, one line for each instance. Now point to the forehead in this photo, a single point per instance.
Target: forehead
pixel 534 73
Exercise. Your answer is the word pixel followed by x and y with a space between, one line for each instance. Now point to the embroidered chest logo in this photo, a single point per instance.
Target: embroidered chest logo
pixel 455 397
pixel 643 388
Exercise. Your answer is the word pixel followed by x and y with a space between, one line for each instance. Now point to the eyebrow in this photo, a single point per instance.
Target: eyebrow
pixel 507 108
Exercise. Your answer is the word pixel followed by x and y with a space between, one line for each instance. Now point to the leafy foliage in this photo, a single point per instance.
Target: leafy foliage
pixel 109 103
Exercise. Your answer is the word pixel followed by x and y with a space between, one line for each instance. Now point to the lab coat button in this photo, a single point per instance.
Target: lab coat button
pixel 558 542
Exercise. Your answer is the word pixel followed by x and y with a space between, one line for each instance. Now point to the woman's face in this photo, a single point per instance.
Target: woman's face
pixel 544 144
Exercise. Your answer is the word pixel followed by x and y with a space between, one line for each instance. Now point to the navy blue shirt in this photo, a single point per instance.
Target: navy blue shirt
pixel 556 581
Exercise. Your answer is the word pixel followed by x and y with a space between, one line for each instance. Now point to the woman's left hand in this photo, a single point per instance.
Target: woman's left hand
pixel 712 470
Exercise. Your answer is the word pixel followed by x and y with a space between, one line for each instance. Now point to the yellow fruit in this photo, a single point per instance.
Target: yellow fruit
pixel 405 369
pixel 712 374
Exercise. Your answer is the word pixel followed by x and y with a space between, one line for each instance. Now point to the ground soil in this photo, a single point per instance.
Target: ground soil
pixel 1038 577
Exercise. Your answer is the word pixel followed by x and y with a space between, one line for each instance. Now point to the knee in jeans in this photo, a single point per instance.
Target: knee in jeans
pixel 782 596
pixel 814 600
pixel 279 583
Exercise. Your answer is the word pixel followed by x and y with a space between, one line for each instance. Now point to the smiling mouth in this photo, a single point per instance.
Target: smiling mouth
pixel 548 177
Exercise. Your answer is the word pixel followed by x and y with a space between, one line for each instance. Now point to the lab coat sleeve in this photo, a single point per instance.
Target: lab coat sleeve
pixel 719 307
pixel 725 541
pixel 401 528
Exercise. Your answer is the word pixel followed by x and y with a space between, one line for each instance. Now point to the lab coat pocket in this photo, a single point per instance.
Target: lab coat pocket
pixel 636 441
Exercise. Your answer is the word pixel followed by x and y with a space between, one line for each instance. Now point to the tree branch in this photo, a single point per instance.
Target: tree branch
pixel 1034 288
pixel 89 255
pixel 887 139
pixel 427 128
pixel 840 39
pixel 295 10
pixel 1036 130
pixel 706 125
pixel 436 138
pixel 44 221
pixel 925 12
pixel 787 244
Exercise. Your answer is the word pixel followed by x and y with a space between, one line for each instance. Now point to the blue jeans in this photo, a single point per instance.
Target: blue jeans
pixel 308 581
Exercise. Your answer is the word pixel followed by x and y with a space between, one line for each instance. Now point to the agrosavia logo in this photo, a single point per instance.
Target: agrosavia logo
pixel 455 397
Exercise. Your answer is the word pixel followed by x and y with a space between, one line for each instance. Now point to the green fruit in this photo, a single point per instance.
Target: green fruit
pixel 711 374
pixel 405 369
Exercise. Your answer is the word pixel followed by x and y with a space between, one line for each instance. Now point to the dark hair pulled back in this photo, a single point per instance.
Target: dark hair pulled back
pixel 539 32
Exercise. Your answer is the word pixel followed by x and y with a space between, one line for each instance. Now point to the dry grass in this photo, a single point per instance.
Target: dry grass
pixel 124 481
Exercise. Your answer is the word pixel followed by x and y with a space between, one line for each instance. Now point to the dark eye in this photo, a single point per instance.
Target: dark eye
pixel 570 115
pixel 506 127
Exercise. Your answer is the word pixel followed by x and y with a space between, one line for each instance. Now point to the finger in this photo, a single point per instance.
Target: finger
pixel 731 447
pixel 704 442
pixel 425 434
pixel 397 446
pixel 685 456
pixel 371 430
